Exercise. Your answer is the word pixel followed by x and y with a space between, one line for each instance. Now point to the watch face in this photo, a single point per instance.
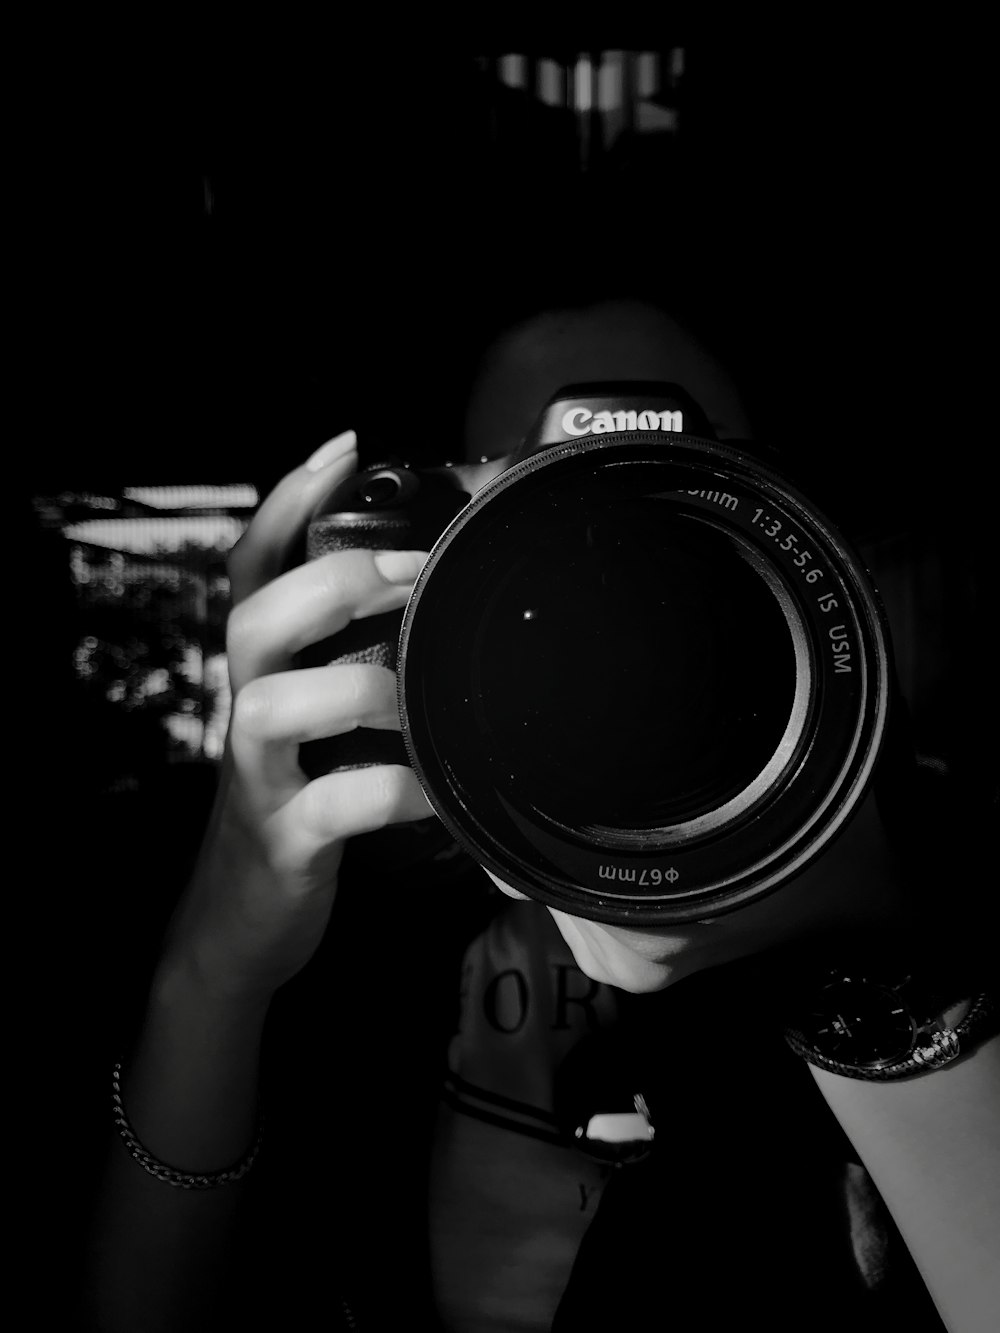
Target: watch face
pixel 859 1023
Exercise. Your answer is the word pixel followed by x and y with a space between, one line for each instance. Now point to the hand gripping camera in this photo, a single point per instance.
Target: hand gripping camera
pixel 641 677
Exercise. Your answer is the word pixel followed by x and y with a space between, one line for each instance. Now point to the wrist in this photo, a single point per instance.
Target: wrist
pixel 190 1085
pixel 189 981
pixel 889 1015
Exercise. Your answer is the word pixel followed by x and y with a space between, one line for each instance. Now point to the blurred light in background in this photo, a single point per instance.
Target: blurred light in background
pixel 148 571
pixel 614 97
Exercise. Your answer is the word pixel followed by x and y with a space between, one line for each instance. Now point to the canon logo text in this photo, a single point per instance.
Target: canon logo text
pixel 581 421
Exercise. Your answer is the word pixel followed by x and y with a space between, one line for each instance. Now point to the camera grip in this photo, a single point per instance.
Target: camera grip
pixel 384 508
pixel 372 640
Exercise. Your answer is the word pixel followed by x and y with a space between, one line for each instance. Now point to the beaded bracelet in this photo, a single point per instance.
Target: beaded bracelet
pixel 170 1175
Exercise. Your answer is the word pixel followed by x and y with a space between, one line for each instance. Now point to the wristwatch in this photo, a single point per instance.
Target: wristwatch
pixel 879 1023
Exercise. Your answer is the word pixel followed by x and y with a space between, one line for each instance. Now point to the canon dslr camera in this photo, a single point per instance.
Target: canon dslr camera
pixel 642 678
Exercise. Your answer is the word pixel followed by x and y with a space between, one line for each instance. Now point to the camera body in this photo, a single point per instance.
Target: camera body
pixel 393 505
pixel 642 678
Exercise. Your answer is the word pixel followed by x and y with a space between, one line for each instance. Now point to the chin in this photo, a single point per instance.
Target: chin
pixel 636 961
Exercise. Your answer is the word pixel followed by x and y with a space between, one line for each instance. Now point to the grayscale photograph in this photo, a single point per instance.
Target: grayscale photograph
pixel 511 756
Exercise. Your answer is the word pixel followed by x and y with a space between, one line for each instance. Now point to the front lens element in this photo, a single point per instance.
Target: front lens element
pixel 630 667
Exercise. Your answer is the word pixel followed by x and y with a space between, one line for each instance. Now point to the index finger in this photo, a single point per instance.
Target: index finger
pixel 262 553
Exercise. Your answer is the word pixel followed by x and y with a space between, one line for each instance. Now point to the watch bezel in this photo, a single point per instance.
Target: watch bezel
pixel 826 1029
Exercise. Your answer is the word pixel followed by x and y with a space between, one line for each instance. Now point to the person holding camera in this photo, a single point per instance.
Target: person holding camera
pixel 380 1084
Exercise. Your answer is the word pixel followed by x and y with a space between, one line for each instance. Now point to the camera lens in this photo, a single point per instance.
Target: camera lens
pixel 642 681
pixel 620 643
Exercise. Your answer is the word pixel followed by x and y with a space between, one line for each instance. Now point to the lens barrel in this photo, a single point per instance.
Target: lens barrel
pixel 643 680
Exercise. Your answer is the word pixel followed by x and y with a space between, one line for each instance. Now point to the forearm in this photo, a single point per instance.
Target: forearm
pixel 190 1092
pixel 190 1087
pixel 932 1146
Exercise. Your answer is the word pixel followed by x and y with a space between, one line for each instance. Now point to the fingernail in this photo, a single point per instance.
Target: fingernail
pixel 336 448
pixel 399 566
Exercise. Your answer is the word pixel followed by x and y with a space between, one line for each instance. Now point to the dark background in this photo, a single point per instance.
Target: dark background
pixel 240 251
pixel 233 250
